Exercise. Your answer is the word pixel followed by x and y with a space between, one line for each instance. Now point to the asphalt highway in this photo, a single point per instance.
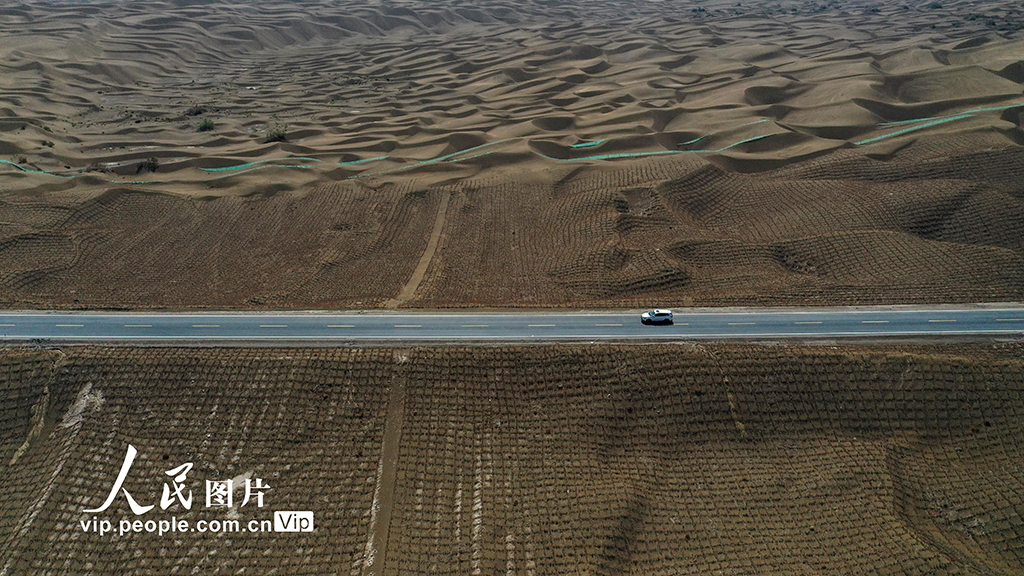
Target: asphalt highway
pixel 508 327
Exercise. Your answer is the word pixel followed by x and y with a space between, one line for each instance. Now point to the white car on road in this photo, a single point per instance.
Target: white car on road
pixel 656 317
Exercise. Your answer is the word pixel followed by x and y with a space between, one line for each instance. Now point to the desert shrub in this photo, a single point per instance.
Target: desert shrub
pixel 205 126
pixel 148 165
pixel 276 133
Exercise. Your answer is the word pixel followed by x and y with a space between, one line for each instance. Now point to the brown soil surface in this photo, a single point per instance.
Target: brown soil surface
pixel 777 176
pixel 668 459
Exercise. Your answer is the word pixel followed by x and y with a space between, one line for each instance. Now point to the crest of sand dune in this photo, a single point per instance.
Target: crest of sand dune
pixel 166 143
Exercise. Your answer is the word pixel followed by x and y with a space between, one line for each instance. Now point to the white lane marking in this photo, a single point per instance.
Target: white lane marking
pixel 742 323
pixel 273 325
pixel 408 326
pixel 680 323
pixel 69 325
pixel 607 324
pixel 7 325
pixel 540 325
pixel 138 325
pixel 475 326
pixel 341 325
pixel 874 321
pixel 1009 319
pixel 942 320
pixel 206 325
pixel 806 322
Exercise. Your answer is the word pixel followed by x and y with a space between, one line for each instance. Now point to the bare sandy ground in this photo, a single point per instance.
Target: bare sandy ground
pixel 599 153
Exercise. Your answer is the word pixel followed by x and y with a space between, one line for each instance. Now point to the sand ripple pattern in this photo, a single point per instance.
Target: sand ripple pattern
pixel 98 89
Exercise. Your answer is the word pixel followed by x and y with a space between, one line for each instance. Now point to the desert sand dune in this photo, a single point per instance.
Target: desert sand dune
pixel 314 105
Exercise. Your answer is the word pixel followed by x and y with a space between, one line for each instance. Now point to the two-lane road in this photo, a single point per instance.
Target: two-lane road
pixel 510 326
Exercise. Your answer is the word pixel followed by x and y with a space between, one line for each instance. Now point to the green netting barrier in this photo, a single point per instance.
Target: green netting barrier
pixel 658 152
pixel 30 171
pixel 917 124
pixel 932 121
pixel 912 128
pixel 251 164
pixel 431 161
pixel 589 144
pixel 362 161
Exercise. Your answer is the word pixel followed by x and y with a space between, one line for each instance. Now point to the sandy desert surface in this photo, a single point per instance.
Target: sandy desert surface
pixel 510 154
pixel 717 459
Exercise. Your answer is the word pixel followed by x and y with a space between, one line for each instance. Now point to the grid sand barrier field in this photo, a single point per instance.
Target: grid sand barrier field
pixel 528 460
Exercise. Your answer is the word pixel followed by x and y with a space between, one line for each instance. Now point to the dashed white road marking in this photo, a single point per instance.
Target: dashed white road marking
pixel 69 325
pixel 540 325
pixel 408 326
pixel 273 325
pixel 206 325
pixel 806 322
pixel 341 325
pixel 138 325
pixel 942 320
pixel 874 321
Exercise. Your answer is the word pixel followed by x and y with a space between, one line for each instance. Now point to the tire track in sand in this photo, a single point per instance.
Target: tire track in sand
pixel 428 254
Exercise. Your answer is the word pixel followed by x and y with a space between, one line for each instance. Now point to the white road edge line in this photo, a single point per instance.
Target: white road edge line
pixel 745 336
